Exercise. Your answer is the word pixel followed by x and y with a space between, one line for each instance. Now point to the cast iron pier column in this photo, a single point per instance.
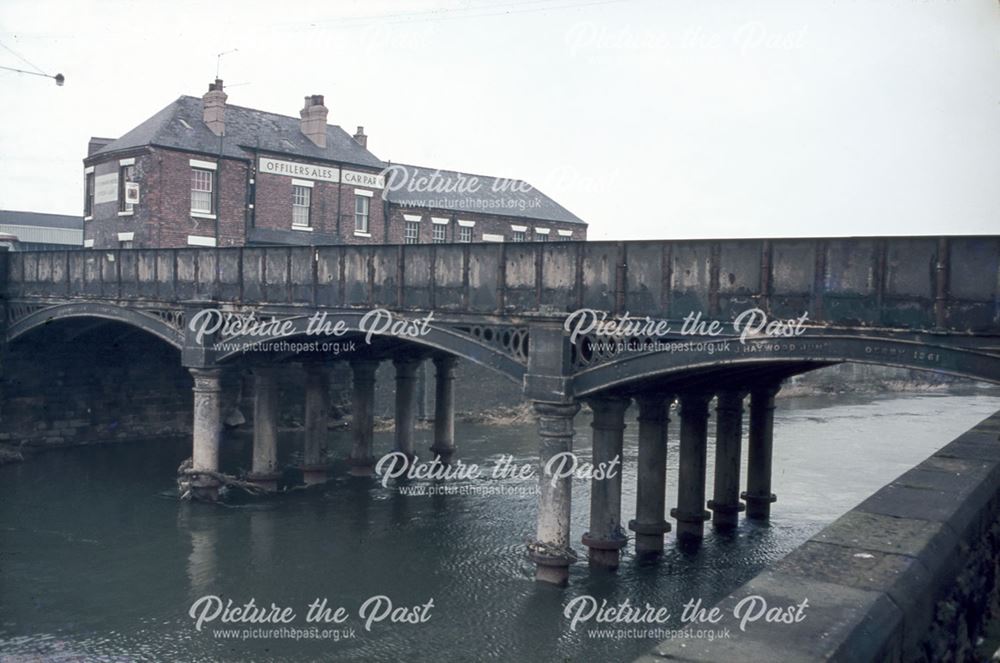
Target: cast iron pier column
pixel 314 467
pixel 725 503
pixel 690 513
pixel 206 431
pixel 264 470
pixel 406 382
pixel 758 495
pixel 551 551
pixel 444 407
pixel 606 537
pixel 363 418
pixel 651 479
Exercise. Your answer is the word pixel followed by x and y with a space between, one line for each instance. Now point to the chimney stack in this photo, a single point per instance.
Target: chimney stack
pixel 214 112
pixel 314 120
pixel 97 143
pixel 361 138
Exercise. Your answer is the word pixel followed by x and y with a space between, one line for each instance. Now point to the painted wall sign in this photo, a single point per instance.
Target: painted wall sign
pixel 106 188
pixel 372 180
pixel 292 169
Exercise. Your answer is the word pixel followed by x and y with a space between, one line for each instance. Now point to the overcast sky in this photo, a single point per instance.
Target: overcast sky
pixel 646 118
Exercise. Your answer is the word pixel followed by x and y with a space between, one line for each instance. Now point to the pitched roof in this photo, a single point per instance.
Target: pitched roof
pixel 180 126
pixel 40 219
pixel 423 187
pixel 42 228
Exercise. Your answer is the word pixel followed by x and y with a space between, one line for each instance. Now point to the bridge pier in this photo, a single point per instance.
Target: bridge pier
pixel 725 503
pixel 406 404
pixel 444 407
pixel 206 431
pixel 551 551
pixel 362 460
pixel 314 467
pixel 758 495
pixel 651 480
pixel 264 469
pixel 690 513
pixel 606 538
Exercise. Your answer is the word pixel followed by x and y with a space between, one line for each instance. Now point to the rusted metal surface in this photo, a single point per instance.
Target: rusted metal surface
pixel 943 283
pixel 940 295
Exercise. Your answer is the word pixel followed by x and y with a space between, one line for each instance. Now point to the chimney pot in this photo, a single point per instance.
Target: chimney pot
pixel 360 137
pixel 214 107
pixel 313 123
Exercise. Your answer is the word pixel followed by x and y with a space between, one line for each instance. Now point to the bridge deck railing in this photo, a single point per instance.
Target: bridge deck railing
pixel 909 282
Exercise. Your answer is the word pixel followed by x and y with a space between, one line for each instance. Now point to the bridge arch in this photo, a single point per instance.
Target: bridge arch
pixel 164 325
pixel 503 350
pixel 807 352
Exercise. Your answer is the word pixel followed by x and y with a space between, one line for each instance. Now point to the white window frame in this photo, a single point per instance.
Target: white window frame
pixel 411 230
pixel 464 233
pixel 439 232
pixel 197 211
pixel 362 230
pixel 306 187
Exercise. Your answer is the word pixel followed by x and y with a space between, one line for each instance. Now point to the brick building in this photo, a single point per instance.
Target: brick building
pixel 202 172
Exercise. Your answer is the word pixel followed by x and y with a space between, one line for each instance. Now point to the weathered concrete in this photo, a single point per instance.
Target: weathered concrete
pixel 363 419
pixel 264 471
pixel 551 550
pixel 908 575
pixel 444 407
pixel 649 524
pixel 606 538
pixel 690 513
pixel 725 503
pixel 758 495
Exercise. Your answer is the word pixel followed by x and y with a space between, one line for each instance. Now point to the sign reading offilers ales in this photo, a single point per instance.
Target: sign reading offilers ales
pixel 300 170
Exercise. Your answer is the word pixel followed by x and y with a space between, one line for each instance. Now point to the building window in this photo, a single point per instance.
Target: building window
pixel 88 199
pixel 361 207
pixel 464 234
pixel 202 184
pixel 411 232
pixel 541 237
pixel 301 200
pixel 518 236
pixel 565 238
pixel 440 230
pixel 125 174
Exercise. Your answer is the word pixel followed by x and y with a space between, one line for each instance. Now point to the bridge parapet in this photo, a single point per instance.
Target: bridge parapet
pixel 928 283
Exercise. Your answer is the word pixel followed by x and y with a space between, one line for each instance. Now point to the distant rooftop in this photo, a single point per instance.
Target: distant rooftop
pixel 42 228
pixel 465 192
pixel 181 126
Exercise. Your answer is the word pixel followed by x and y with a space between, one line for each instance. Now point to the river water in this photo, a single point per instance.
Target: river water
pixel 99 561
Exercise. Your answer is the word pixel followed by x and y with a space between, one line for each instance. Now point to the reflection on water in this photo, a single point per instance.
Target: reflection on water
pixel 96 560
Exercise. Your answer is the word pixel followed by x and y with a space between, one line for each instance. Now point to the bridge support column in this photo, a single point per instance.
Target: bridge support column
pixel 651 480
pixel 314 467
pixel 758 495
pixel 444 407
pixel 406 403
pixel 551 551
pixel 206 431
pixel 363 422
pixel 606 538
pixel 264 470
pixel 690 512
pixel 725 504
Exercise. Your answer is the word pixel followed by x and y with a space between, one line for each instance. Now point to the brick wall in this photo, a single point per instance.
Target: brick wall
pixel 485 223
